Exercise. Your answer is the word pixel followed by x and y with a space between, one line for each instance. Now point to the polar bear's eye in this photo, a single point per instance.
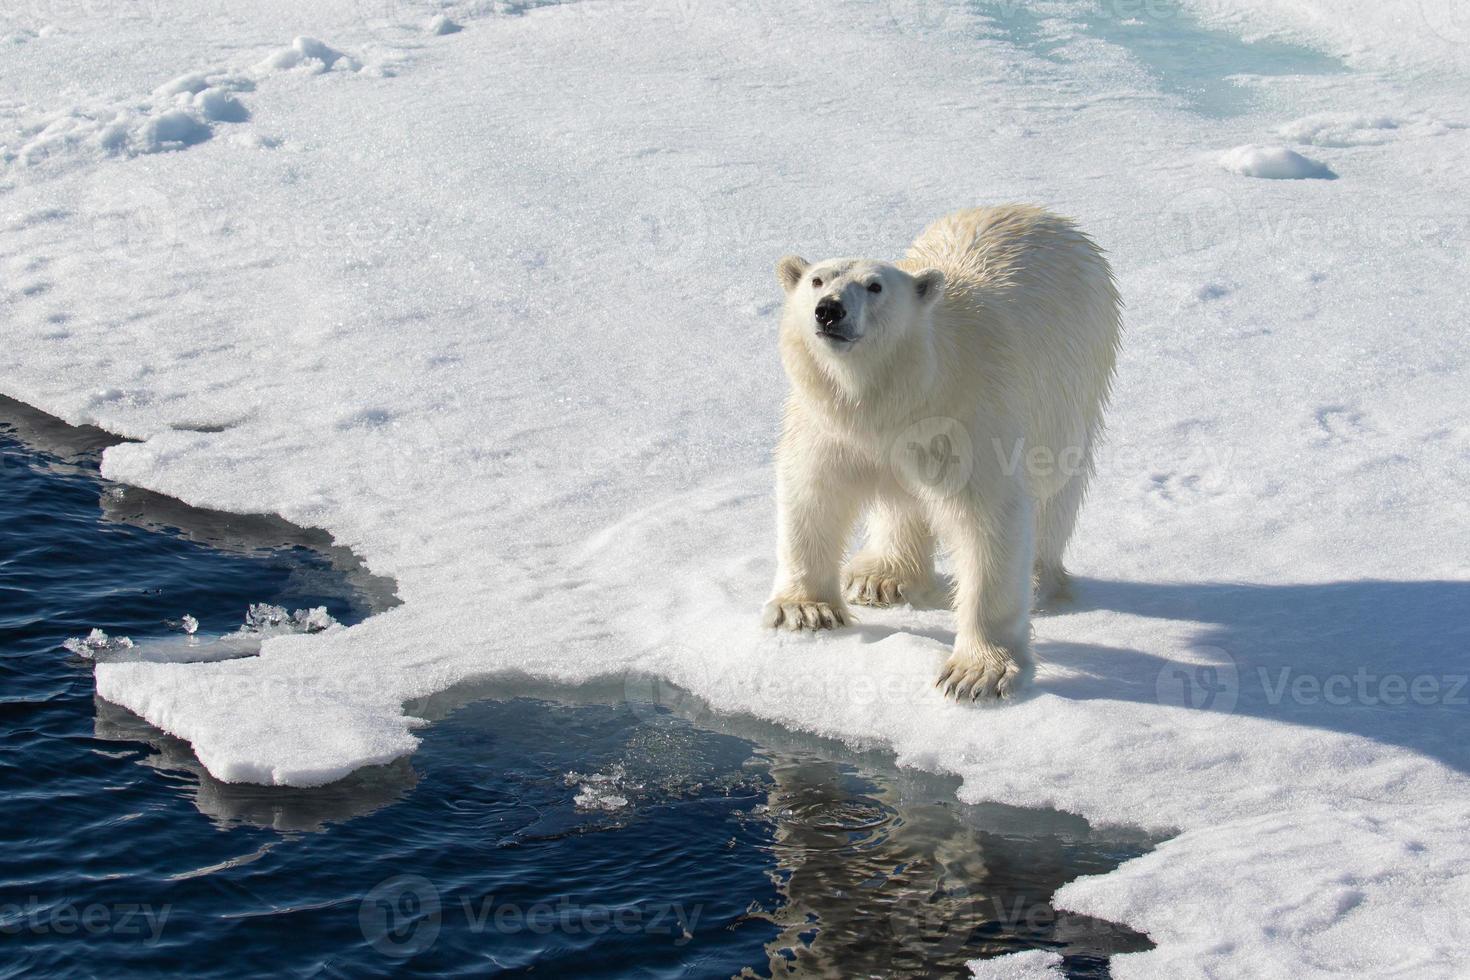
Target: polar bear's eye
pixel 816 284
pixel 875 287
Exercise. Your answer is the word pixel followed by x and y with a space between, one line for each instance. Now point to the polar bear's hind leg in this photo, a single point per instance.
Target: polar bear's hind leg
pixel 897 563
pixel 1055 518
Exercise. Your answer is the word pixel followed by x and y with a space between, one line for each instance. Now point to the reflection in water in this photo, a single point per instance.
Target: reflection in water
pixel 877 871
pixel 882 871
pixel 256 534
pixel 277 808
pixel 876 885
pixel 69 446
pixel 69 450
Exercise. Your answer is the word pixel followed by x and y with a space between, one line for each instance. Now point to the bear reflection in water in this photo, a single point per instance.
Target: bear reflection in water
pixel 877 871
pixel 874 884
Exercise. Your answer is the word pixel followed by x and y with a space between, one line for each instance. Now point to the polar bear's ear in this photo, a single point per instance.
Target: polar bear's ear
pixel 929 284
pixel 790 270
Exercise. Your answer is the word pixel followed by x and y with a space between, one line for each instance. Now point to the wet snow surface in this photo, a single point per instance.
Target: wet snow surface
pixel 495 308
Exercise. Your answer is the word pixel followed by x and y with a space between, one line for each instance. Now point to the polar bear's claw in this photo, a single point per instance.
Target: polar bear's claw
pixel 984 678
pixel 874 590
pixel 797 615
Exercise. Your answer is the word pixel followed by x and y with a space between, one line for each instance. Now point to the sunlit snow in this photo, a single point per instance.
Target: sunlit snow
pixel 496 308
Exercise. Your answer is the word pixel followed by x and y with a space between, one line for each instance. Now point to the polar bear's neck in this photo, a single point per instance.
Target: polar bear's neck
pixel 865 395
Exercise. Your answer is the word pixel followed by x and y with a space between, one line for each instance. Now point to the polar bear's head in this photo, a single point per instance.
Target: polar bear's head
pixel 854 308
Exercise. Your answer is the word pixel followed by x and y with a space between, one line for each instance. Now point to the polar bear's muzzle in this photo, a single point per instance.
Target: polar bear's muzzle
pixel 833 322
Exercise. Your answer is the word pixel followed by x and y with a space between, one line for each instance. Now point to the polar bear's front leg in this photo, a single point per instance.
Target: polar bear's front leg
pixel 992 541
pixel 817 505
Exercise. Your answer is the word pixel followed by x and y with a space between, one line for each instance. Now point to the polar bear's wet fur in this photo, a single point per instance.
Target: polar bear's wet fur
pixel 954 396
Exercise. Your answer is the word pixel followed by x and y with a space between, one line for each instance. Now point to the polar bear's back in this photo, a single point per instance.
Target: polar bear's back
pixel 991 251
pixel 1029 305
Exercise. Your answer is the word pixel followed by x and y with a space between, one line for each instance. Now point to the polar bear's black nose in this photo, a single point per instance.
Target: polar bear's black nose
pixel 830 311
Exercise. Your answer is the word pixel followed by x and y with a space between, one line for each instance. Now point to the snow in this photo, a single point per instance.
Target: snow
pixel 1405 37
pixel 306 53
pixel 1033 964
pixel 1274 163
pixel 497 310
pixel 218 105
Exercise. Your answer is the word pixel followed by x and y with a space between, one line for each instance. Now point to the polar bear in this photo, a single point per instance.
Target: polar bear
pixel 957 394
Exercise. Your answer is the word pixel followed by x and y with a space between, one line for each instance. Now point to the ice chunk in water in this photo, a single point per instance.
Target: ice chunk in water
pixel 274 620
pixel 97 643
pixel 600 791
pixel 262 621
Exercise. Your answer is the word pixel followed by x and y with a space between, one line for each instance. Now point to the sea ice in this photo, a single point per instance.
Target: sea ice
pixel 548 312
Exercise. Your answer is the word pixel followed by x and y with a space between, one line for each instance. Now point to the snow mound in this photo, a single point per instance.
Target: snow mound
pixel 120 132
pixel 1273 163
pixel 439 25
pixel 218 105
pixel 1339 129
pixel 180 113
pixel 194 82
pixel 1348 129
pixel 308 54
pixel 172 129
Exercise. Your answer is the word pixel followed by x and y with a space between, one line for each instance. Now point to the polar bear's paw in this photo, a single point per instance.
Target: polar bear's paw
pixel 872 580
pixel 981 672
pixel 873 590
pixel 1051 586
pixel 797 613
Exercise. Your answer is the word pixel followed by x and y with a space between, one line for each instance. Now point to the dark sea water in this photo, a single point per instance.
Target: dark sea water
pixel 563 832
